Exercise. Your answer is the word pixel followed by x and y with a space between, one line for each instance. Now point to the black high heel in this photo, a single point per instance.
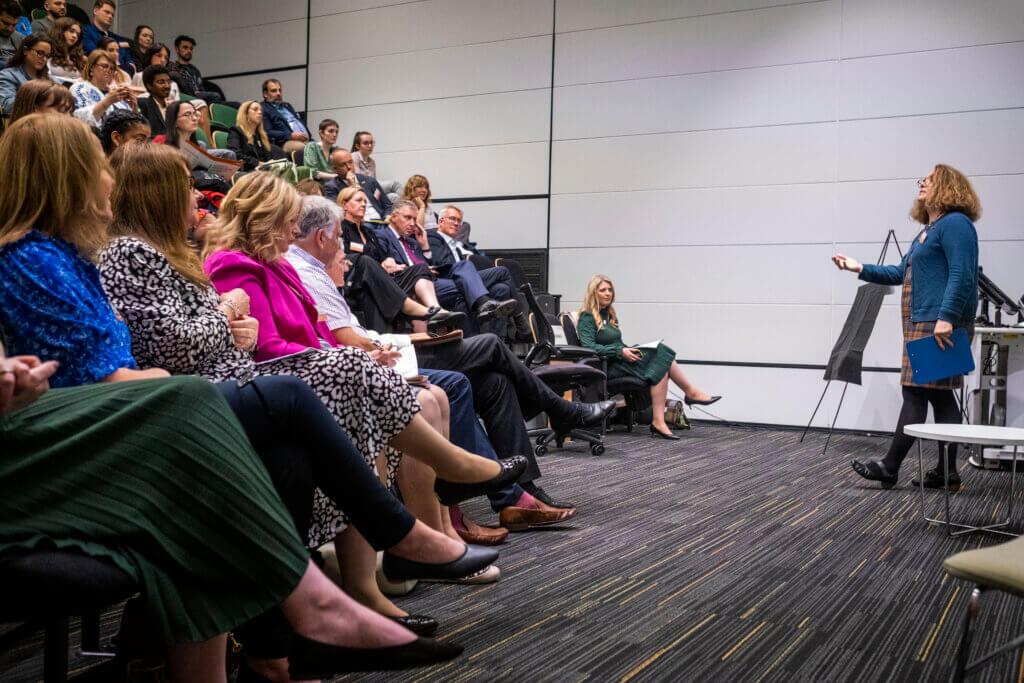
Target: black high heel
pixel 309 659
pixel 662 435
pixel 450 492
pixel 873 470
pixel 700 401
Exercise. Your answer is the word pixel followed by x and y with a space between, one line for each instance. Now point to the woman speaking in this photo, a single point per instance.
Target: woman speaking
pixel 939 275
pixel 598 329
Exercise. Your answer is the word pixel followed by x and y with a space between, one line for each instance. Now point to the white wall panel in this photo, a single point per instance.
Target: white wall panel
pixel 473 171
pixel 426 25
pixel 579 15
pixel 796 274
pixel 987 77
pixel 867 210
pixel 795 93
pixel 196 17
pixel 293 82
pixel 750 156
pixel 975 142
pixel 516 224
pixel 321 7
pixel 744 215
pixel 469 70
pixel 779 35
pixel 500 118
pixel 243 50
pixel 874 27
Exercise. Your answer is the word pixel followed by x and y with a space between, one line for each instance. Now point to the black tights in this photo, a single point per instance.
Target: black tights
pixel 914 411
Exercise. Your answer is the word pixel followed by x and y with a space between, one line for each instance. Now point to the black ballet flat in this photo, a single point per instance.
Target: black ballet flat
pixel 873 470
pixel 451 493
pixel 473 560
pixel 662 435
pixel 701 402
pixel 420 624
pixel 309 659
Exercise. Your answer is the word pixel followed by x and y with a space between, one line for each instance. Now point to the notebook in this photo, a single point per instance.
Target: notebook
pixel 929 363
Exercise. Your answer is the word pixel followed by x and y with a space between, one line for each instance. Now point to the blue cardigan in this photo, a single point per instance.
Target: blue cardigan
pixel 945 273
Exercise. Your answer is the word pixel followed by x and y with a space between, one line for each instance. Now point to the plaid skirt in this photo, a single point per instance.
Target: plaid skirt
pixel 913 331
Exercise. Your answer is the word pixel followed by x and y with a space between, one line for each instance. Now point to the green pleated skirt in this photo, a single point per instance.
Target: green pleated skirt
pixel 651 368
pixel 158 477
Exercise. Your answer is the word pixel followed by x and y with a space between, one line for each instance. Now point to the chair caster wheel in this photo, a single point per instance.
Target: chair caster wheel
pixel 597 449
pixel 540 451
pixel 541 440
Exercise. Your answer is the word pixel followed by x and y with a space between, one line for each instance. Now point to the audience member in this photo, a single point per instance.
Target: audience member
pixel 417 190
pixel 284 127
pixel 598 329
pixel 10 39
pixel 95 95
pixel 102 21
pixel 504 389
pixel 29 62
pixel 121 127
pixel 187 75
pixel 42 97
pixel 68 59
pixel 316 155
pixel 182 122
pixel 309 187
pixel 159 55
pixel 157 81
pixel 341 163
pixel 145 38
pixel 446 250
pixel 55 9
pixel 380 302
pixel 121 77
pixel 46 278
pixel 362 148
pixel 486 293
pixel 247 139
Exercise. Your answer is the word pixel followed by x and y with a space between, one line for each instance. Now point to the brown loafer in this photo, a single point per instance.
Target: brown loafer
pixel 473 533
pixel 521 519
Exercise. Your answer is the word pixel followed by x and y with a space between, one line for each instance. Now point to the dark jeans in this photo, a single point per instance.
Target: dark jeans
pixel 914 411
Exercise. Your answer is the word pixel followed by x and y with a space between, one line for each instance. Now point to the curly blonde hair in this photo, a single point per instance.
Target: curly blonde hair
pixel 254 212
pixel 414 182
pixel 591 305
pixel 951 191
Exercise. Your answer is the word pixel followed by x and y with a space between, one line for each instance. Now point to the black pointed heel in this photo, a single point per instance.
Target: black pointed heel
pixel 701 402
pixel 450 492
pixel 662 435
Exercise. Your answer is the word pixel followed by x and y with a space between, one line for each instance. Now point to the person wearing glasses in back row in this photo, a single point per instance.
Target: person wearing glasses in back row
pixel 29 62
pixel 939 274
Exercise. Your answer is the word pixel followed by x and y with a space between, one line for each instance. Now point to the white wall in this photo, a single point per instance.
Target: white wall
pixel 709 155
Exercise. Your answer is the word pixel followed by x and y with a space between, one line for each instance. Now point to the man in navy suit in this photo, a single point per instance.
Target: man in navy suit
pixel 283 125
pixel 379 206
pixel 407 243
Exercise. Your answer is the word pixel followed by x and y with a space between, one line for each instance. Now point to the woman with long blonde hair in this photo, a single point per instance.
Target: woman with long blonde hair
pixel 598 329
pixel 417 190
pixel 939 275
pixel 248 139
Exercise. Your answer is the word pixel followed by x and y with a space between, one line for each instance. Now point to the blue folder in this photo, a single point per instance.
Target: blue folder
pixel 929 363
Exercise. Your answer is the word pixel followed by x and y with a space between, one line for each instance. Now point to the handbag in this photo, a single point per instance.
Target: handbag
pixel 675 416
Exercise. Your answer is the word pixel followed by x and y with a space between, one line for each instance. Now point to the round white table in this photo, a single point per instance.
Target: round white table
pixel 980 435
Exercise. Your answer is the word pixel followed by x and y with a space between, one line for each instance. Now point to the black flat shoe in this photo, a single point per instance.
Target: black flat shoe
pixel 420 624
pixel 309 659
pixel 662 435
pixel 496 309
pixel 586 414
pixel 873 470
pixel 450 492
pixel 439 319
pixel 542 495
pixel 701 402
pixel 933 479
pixel 473 560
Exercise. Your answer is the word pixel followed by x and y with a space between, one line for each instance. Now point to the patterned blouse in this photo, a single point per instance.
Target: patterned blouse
pixel 180 330
pixel 52 306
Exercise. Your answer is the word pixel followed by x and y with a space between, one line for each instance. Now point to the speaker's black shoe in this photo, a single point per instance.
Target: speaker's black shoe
pixel 420 624
pixel 874 470
pixel 491 308
pixel 933 479
pixel 701 402
pixel 473 560
pixel 310 659
pixel 662 435
pixel 542 495
pixel 450 492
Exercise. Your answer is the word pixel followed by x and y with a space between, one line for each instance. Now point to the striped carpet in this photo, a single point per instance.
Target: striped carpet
pixel 735 554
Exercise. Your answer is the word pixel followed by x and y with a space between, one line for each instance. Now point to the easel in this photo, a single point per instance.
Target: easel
pixel 891 235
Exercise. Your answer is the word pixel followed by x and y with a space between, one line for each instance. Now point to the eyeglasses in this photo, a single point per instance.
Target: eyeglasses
pixel 924 181
pixel 188 115
pixel 40 53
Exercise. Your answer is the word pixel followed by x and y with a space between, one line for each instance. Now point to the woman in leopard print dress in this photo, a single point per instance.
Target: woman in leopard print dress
pixel 179 323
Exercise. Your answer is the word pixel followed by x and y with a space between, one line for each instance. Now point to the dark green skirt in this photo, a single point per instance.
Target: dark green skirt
pixel 651 368
pixel 158 477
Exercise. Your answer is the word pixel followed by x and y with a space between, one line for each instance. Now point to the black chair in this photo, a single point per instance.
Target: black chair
pixel 560 368
pixel 43 589
pixel 631 388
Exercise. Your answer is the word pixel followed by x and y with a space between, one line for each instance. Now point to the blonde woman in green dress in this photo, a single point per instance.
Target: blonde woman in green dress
pixel 598 329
